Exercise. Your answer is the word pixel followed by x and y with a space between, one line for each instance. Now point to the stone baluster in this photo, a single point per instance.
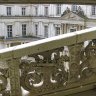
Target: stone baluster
pixel 14 76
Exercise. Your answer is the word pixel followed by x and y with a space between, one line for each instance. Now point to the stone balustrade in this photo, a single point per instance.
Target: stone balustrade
pixel 63 64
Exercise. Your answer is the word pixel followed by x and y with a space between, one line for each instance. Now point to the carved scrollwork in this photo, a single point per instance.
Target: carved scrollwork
pixel 74 72
pixel 32 80
pixel 3 82
pixel 46 73
pixel 88 66
pixel 60 75
pixel 54 69
pixel 3 79
pixel 86 72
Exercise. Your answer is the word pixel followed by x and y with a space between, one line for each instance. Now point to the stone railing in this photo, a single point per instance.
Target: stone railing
pixel 54 66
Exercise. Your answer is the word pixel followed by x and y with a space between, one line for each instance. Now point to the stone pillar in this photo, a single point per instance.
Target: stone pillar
pixel 65 28
pixel 62 29
pixel 78 27
pixel 14 76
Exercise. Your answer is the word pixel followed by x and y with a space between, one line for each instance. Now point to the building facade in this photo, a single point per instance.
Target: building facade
pixel 24 23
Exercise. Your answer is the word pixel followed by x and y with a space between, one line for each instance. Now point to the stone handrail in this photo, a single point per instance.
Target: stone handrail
pixel 48 44
pixel 69 73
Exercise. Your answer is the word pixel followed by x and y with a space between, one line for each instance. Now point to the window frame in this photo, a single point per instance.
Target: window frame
pixel 58 9
pixel 74 8
pixel 75 29
pixel 9 11
pixel 36 11
pixel 93 10
pixel 46 31
pixel 9 31
pixel 46 11
pixel 23 11
pixel 24 28
pixel 36 29
pixel 57 30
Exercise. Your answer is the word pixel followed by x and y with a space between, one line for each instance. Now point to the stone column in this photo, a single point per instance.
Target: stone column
pixel 62 29
pixel 65 28
pixel 78 27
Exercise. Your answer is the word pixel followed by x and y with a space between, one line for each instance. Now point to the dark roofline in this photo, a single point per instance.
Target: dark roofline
pixel 88 2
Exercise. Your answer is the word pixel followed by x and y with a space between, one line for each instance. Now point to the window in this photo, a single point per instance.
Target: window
pixel 74 8
pixel 23 29
pixel 58 9
pixel 36 11
pixel 8 11
pixel 93 10
pixel 23 11
pixel 73 29
pixel 36 29
pixel 46 31
pixel 9 30
pixel 57 30
pixel 46 11
pixel 81 27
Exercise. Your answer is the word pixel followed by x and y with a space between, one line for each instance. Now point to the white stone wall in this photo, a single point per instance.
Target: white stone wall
pixel 30 19
pixel 30 9
pixel 16 19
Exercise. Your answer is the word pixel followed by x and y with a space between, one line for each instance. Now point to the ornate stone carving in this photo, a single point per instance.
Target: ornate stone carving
pixel 3 79
pixel 53 70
